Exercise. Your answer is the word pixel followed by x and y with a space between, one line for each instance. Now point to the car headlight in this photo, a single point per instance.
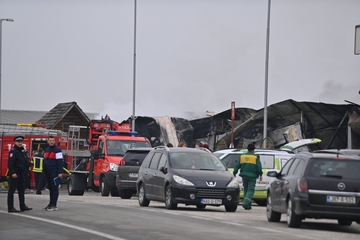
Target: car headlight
pixel 113 167
pixel 233 184
pixel 182 181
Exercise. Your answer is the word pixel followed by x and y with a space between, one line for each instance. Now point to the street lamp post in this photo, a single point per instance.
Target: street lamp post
pixel 134 72
pixel 266 74
pixel 1 20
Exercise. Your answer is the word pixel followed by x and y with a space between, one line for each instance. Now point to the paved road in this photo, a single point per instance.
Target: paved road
pixel 94 217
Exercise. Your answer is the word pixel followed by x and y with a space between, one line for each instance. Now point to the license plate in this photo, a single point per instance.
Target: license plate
pixel 210 201
pixel 134 175
pixel 340 199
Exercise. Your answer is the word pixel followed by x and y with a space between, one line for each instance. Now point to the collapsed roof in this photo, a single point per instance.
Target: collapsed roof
pixel 290 120
pixel 287 121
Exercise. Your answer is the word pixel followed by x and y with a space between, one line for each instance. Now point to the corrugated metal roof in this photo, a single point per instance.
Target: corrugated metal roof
pixel 21 116
pixel 26 116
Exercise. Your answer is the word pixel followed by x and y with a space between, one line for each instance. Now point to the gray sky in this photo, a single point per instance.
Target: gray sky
pixel 192 55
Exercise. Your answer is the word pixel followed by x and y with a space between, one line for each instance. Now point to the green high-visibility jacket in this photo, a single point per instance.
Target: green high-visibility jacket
pixel 249 165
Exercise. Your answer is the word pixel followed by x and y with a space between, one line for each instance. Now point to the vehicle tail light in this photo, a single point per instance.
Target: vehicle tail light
pixel 302 185
pixel 122 163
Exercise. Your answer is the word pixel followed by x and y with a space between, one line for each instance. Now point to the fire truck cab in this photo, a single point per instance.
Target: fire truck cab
pixel 108 142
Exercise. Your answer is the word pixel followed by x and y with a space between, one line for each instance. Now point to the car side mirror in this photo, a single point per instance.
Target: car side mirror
pixel 95 153
pixel 272 174
pixel 164 170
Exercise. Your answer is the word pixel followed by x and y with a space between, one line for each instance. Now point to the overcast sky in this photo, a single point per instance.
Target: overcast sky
pixel 192 55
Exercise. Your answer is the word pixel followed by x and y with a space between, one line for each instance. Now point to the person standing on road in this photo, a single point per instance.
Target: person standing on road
pixel 18 164
pixel 250 169
pixel 38 169
pixel 53 161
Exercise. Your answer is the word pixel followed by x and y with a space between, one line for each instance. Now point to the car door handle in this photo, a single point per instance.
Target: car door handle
pixel 145 172
pixel 154 175
pixel 286 182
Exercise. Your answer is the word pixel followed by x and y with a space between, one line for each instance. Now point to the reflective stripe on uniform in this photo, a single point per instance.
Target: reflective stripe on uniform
pixel 67 171
pixel 38 164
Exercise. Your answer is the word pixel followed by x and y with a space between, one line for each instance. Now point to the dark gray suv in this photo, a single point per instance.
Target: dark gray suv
pixel 127 172
pixel 316 185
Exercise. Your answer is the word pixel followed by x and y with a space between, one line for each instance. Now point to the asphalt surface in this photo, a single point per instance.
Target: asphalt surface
pixel 94 217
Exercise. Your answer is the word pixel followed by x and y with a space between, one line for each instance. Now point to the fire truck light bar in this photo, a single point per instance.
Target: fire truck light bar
pixel 117 133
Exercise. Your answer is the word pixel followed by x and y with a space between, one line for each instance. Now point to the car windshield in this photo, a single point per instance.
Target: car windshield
pixel 196 161
pixel 332 168
pixel 119 147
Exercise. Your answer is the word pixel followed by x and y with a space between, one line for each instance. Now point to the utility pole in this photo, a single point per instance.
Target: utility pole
pixel 1 20
pixel 133 116
pixel 266 74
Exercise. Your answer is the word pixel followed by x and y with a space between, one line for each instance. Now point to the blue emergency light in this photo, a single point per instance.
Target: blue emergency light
pixel 117 133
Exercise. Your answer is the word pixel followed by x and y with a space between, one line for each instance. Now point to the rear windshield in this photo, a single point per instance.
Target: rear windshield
pixel 134 158
pixel 342 169
pixel 196 161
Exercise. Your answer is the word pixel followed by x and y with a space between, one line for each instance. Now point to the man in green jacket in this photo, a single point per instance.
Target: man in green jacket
pixel 250 169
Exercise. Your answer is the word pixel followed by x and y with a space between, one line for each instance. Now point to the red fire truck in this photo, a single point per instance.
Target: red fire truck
pixel 36 136
pixel 107 143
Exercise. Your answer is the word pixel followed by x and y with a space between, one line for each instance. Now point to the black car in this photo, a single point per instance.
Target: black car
pixel 127 172
pixel 316 185
pixel 186 175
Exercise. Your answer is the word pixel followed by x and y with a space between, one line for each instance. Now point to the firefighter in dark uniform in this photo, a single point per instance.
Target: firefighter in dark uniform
pixel 18 163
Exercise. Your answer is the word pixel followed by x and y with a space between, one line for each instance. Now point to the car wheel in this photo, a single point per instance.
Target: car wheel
pixel 260 202
pixel 104 188
pixel 143 201
pixel 125 194
pixel 344 222
pixel 70 188
pixel 292 219
pixel 271 215
pixel 169 203
pixel 201 206
pixel 231 208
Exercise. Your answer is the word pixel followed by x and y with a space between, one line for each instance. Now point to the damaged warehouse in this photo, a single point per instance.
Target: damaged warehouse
pixel 337 125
